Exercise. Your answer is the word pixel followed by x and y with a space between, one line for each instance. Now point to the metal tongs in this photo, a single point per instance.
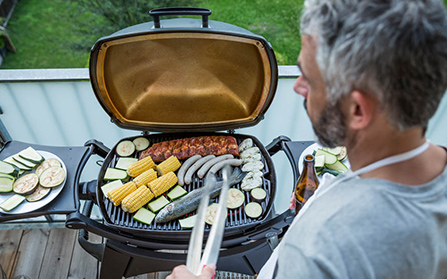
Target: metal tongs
pixel 210 255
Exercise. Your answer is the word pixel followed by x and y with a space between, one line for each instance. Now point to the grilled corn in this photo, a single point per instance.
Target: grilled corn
pixel 140 166
pixel 145 177
pixel 117 195
pixel 170 164
pixel 163 183
pixel 137 199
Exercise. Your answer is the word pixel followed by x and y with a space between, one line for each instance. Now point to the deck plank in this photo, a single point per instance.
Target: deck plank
pixel 83 265
pixel 58 254
pixel 9 245
pixel 31 253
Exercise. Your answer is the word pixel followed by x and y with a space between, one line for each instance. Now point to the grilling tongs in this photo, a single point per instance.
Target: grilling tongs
pixel 210 255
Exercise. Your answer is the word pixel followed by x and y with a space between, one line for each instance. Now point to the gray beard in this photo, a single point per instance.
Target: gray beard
pixel 330 128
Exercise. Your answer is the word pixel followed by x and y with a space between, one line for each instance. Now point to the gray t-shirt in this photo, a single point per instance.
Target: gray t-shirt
pixel 370 228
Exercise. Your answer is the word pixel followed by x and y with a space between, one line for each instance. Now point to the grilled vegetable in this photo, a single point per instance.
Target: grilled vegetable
pixel 52 177
pixel 118 194
pixel 140 166
pixel 329 158
pixel 253 210
pixel 338 166
pixel 158 204
pixel 8 168
pixel 31 155
pixel 136 199
pixel 170 164
pixel 124 163
pixel 245 144
pixel 204 169
pixel 186 165
pixel 125 148
pixel 162 184
pixel 141 143
pixel 40 193
pixel 258 194
pixel 235 198
pixel 47 164
pixel 114 174
pixel 195 167
pixel 190 202
pixel 145 177
pixel 211 212
pixel 110 186
pixel 6 182
pixel 188 222
pixel 26 184
pixel 144 216
pixel 177 192
pixel 12 202
pixel 17 164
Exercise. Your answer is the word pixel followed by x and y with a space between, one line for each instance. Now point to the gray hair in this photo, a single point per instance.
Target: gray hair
pixel 395 50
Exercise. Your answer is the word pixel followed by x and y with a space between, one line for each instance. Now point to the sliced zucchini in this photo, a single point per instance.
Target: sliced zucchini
pixel 125 148
pixel 12 202
pixel 47 164
pixel 144 216
pixel 31 155
pixel 211 212
pixel 188 222
pixel 141 143
pixel 8 168
pixel 177 192
pixel 24 162
pixel 158 204
pixel 40 193
pixel 110 186
pixel 338 166
pixel 52 177
pixel 258 194
pixel 6 184
pixel 329 158
pixel 253 210
pixel 235 198
pixel 319 161
pixel 124 163
pixel 343 154
pixel 26 184
pixel 17 164
pixel 114 174
pixel 336 150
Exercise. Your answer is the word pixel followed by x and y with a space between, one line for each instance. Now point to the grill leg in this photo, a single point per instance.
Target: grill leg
pixel 114 264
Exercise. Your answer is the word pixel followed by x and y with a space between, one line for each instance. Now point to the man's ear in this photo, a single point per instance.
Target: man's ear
pixel 361 110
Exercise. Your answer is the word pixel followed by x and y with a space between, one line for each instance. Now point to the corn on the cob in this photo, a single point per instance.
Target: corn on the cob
pixel 118 194
pixel 137 199
pixel 145 177
pixel 140 166
pixel 170 164
pixel 163 183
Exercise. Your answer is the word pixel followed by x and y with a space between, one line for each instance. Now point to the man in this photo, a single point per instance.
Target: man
pixel 373 74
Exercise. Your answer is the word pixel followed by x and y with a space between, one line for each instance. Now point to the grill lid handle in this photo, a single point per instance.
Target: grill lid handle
pixel 156 13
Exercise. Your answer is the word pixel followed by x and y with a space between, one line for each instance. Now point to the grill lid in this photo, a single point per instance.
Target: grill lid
pixel 183 76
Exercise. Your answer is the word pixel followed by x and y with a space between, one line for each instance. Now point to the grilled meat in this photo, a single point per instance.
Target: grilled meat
pixel 188 147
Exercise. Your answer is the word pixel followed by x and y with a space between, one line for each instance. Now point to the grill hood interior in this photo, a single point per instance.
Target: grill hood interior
pixel 183 77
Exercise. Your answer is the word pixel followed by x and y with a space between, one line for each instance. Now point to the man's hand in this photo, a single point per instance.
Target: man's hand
pixel 292 201
pixel 181 272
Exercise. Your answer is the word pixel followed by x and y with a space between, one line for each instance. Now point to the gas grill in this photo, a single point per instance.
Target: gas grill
pixel 176 79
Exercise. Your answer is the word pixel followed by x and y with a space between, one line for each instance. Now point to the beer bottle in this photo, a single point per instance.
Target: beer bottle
pixel 307 183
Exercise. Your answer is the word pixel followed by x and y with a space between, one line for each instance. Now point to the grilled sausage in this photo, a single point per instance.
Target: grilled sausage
pixel 232 162
pixel 195 167
pixel 204 169
pixel 188 163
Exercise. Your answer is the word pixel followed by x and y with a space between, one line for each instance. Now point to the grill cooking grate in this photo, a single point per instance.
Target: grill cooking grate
pixel 235 218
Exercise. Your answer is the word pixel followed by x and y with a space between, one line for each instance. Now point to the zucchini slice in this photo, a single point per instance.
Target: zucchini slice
pixel 110 186
pixel 124 163
pixel 114 174
pixel 47 164
pixel 6 183
pixel 258 194
pixel 177 192
pixel 329 158
pixel 235 198
pixel 158 204
pixel 40 193
pixel 338 166
pixel 31 155
pixel 141 143
pixel 8 168
pixel 17 164
pixel 253 210
pixel 26 163
pixel 188 222
pixel 12 202
pixel 125 148
pixel 26 184
pixel 144 216
pixel 52 177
